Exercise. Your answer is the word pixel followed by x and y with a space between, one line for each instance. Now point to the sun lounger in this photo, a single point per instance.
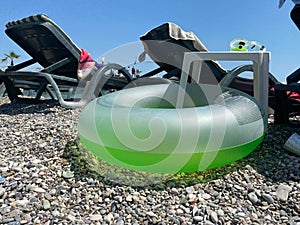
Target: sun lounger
pixel 166 45
pixel 287 98
pixel 48 45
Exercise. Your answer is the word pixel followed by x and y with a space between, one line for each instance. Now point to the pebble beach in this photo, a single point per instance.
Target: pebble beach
pixel 41 185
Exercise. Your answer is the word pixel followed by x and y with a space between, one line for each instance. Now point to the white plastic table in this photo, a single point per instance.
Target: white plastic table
pixel 260 62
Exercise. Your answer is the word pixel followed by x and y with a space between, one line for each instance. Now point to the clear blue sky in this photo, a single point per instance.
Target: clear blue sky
pixel 101 25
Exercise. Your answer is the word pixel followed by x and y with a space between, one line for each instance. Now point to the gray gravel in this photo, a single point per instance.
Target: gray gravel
pixel 39 184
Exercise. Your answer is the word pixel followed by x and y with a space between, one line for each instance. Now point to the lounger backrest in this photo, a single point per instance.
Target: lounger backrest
pixel 167 43
pixel 45 42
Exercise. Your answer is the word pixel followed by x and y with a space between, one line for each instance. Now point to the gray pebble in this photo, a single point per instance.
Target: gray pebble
pixel 268 198
pixel 207 222
pixel 214 217
pixel 252 197
pixel 68 175
pixel 198 218
pixel 2 191
pixel 283 191
pixel 46 204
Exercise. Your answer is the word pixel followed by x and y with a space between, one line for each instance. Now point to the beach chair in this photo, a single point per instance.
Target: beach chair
pixel 287 98
pixel 166 45
pixel 49 46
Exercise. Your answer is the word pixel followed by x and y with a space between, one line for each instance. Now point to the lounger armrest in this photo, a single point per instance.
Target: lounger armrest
pixel 226 81
pixel 56 65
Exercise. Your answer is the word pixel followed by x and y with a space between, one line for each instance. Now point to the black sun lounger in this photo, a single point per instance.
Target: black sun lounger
pixel 166 45
pixel 48 45
pixel 286 106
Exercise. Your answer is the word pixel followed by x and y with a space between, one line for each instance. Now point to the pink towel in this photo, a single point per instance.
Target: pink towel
pixel 293 95
pixel 86 65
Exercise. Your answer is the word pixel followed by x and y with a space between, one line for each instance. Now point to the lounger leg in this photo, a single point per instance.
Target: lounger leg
pixel 2 89
pixel 40 91
pixel 11 90
pixel 281 114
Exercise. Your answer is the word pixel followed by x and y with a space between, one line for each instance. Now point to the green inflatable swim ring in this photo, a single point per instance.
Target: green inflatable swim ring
pixel 142 129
